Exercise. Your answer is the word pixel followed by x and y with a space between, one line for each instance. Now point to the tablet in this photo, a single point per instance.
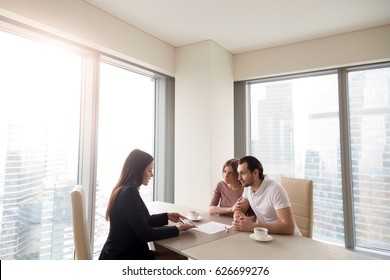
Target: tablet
pixel 188 221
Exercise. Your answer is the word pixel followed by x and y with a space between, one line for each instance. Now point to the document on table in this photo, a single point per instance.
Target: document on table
pixel 211 227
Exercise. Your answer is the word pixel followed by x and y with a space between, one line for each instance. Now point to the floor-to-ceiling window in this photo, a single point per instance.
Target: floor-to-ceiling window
pixel 295 132
pixel 126 122
pixel 40 89
pixel 294 126
pixel 369 119
pixel 70 115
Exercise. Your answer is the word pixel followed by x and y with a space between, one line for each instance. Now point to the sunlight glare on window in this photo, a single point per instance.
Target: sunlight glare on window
pixel 126 122
pixel 39 128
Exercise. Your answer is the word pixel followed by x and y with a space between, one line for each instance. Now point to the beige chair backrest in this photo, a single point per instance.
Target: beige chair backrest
pixel 300 193
pixel 80 228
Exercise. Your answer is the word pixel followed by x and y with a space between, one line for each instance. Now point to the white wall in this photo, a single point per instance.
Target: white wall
pixel 365 46
pixel 81 22
pixel 203 120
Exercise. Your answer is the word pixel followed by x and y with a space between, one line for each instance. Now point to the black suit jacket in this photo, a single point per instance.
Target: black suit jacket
pixel 131 227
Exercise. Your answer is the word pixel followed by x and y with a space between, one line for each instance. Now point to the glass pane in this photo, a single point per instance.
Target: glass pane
pixel 295 133
pixel 369 105
pixel 39 133
pixel 126 122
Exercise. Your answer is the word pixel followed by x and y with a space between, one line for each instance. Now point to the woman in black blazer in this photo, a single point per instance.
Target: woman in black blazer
pixel 131 225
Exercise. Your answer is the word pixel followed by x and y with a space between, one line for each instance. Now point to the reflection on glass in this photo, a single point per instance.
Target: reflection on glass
pixel 295 133
pixel 369 105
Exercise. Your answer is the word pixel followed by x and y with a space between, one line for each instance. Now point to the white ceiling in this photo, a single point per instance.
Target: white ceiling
pixel 246 25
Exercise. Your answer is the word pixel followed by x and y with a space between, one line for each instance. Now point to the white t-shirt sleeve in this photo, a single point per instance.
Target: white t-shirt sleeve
pixel 245 193
pixel 280 198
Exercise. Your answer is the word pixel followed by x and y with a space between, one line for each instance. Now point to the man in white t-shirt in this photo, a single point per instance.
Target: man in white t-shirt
pixel 268 199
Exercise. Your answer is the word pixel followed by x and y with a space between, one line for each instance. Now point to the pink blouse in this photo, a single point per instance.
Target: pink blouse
pixel 224 196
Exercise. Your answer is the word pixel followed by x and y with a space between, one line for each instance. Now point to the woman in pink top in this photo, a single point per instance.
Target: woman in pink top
pixel 227 191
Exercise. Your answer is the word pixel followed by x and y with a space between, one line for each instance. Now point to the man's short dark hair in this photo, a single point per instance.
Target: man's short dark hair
pixel 253 163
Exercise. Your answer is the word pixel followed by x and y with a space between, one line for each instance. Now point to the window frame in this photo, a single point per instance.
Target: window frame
pixel 163 189
pixel 242 134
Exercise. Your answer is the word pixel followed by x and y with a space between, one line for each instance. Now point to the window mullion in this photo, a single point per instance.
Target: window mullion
pixel 241 120
pixel 346 171
pixel 88 135
pixel 164 147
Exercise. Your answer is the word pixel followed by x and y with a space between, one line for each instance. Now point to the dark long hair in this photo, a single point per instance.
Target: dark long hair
pixel 132 174
pixel 253 163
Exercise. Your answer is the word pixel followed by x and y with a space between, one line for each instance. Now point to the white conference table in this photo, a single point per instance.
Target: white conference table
pixel 236 245
pixel 191 237
pixel 282 247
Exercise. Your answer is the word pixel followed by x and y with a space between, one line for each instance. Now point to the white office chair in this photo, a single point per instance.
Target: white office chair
pixel 300 193
pixel 80 229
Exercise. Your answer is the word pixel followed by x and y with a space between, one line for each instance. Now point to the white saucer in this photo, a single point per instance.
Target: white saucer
pixel 269 238
pixel 197 219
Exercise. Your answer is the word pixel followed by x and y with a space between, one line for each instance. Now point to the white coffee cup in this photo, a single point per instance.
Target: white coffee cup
pixel 193 214
pixel 260 233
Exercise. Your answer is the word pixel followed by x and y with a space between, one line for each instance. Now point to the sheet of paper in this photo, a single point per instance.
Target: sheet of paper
pixel 211 227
